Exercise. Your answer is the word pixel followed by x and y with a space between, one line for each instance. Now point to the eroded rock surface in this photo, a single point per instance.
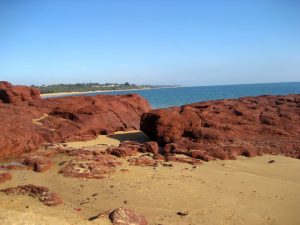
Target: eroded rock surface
pixel 13 94
pixel 143 161
pixel 122 216
pixel 90 165
pixel 224 129
pixel 131 148
pixel 42 193
pixel 38 163
pixel 28 122
pixel 154 155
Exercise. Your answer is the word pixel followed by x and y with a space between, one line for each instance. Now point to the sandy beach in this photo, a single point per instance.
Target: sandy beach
pixel 243 191
pixel 61 94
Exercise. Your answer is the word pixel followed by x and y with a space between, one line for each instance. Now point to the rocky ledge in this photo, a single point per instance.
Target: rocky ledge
pixel 224 129
pixel 27 121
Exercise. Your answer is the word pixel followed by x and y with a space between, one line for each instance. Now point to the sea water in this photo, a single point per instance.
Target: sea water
pixel 166 97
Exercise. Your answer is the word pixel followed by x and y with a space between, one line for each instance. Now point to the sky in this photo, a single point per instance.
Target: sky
pixel 183 42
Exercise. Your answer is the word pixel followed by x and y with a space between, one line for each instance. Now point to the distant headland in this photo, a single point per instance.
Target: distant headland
pixel 93 87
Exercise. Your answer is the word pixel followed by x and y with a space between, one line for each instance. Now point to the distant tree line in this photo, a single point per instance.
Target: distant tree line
pixel 82 87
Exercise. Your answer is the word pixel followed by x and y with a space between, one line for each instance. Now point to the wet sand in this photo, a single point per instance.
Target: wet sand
pixel 244 191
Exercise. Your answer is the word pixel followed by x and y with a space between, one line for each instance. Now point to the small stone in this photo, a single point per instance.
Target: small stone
pixel 182 213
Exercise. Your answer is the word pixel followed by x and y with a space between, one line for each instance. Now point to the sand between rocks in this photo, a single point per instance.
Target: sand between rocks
pixel 244 191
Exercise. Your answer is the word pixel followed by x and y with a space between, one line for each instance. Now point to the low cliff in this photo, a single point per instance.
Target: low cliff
pixel 225 129
pixel 27 121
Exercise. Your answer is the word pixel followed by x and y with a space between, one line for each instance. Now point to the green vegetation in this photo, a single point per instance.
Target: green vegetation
pixel 55 88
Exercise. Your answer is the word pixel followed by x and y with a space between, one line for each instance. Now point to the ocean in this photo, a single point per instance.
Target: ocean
pixel 166 97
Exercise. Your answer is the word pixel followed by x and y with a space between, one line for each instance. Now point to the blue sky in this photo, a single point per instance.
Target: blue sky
pixel 149 41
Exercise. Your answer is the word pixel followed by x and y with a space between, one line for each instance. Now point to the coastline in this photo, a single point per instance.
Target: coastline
pixel 91 175
pixel 61 94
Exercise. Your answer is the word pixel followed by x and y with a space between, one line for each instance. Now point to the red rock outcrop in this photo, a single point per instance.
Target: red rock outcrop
pixel 42 193
pixel 224 129
pixel 143 161
pixel 12 94
pixel 28 122
pixel 152 147
pixel 38 163
pixel 124 151
pixel 89 164
pixel 89 170
pixel 153 157
pixel 84 117
pixel 188 160
pixel 131 148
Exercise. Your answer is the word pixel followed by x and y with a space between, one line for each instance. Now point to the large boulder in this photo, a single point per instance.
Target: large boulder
pixel 13 94
pixel 224 129
pixel 83 117
pixel 28 122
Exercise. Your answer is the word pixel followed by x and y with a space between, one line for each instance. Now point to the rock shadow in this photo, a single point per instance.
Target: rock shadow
pixel 138 136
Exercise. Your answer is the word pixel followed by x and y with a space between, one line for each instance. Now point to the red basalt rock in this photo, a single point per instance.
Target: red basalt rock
pixel 135 146
pixel 38 163
pixel 123 216
pixel 42 193
pixel 13 94
pixel 122 152
pixel 98 166
pixel 5 177
pixel 27 122
pixel 84 154
pixel 131 148
pixel 152 147
pixel 225 129
pixel 187 160
pixel 142 161
pixel 87 170
pixel 126 148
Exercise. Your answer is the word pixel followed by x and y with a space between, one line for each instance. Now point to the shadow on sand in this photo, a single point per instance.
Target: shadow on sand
pixel 138 136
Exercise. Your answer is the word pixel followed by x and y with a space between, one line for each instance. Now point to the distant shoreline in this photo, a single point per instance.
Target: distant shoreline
pixel 61 94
